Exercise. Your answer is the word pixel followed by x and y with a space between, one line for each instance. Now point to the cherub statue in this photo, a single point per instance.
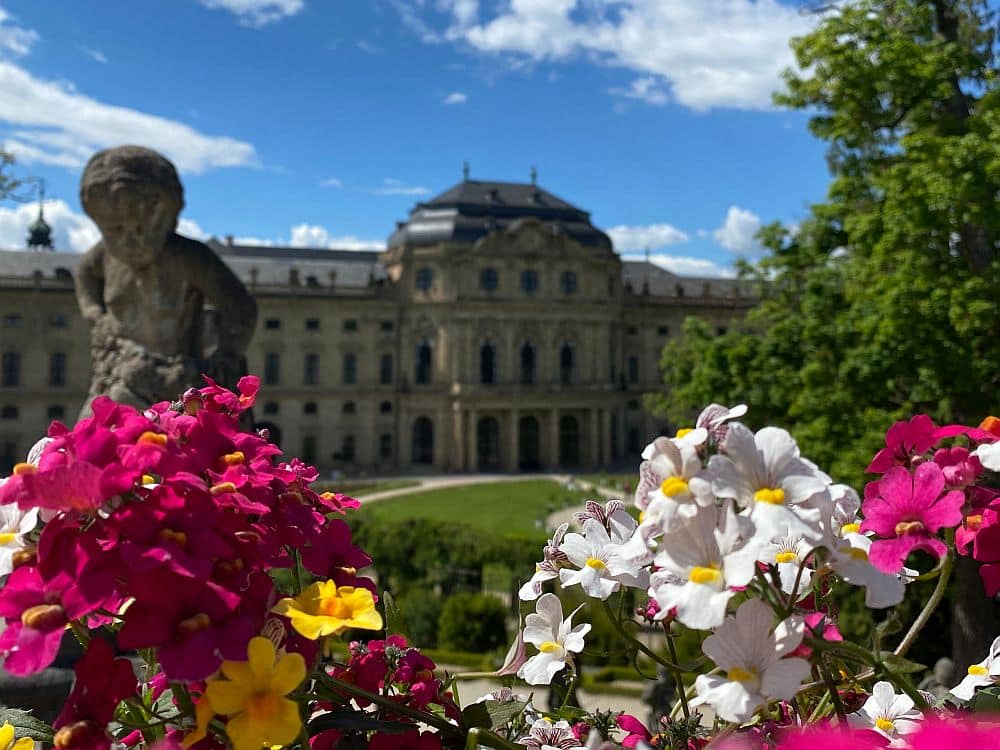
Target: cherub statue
pixel 145 289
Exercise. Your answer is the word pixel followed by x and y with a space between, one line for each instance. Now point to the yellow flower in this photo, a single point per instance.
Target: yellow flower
pixel 324 609
pixel 254 697
pixel 7 741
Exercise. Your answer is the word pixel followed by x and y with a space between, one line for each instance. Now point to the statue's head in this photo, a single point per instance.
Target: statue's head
pixel 134 196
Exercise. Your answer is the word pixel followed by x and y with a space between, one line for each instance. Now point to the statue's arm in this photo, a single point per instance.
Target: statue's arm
pixel 237 309
pixel 90 283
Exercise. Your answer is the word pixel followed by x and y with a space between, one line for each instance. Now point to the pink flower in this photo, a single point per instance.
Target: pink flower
pixel 903 441
pixel 960 467
pixel 906 511
pixel 954 734
pixel 637 731
pixel 820 625
pixel 825 737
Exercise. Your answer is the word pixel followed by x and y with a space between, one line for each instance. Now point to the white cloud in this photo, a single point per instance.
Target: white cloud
pixel 94 54
pixel 392 186
pixel 456 97
pixel 653 236
pixel 14 40
pixel 313 235
pixel 369 48
pixel 257 13
pixel 738 231
pixel 56 125
pixel 71 231
pixel 647 89
pixel 191 228
pixel 709 53
pixel 331 182
pixel 684 265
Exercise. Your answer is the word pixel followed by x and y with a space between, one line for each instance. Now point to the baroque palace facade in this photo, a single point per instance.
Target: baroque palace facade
pixel 499 331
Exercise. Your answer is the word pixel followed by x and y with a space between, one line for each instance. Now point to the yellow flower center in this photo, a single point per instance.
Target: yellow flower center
pixel 44 617
pixel 786 557
pixel 884 724
pixel 596 563
pixel 909 527
pixel 234 458
pixel 770 495
pixel 152 438
pixel 738 674
pixel 549 646
pixel 7 538
pixel 858 554
pixel 850 528
pixel 683 431
pixel 974 522
pixel 222 488
pixel 147 479
pixel 709 574
pixel 978 670
pixel 23 468
pixel 263 707
pixel 673 486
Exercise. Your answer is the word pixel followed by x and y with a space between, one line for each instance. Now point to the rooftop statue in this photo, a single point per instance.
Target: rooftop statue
pixel 163 308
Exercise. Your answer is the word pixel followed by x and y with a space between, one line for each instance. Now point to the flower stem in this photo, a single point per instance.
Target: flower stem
pixel 928 610
pixel 636 642
pixel 678 676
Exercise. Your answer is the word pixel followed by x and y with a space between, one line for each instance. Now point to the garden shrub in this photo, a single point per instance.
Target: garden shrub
pixel 473 622
pixel 421 610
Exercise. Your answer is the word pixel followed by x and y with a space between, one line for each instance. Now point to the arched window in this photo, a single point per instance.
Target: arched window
pixel 566 364
pixel 633 369
pixel 349 408
pixel 350 368
pixel 385 369
pixel 488 444
pixel 423 441
pixel 569 441
pixel 385 445
pixel 487 364
pixel 527 364
pixel 347 448
pixel 423 363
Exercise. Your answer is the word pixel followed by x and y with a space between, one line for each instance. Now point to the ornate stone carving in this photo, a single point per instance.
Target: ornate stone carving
pixel 163 308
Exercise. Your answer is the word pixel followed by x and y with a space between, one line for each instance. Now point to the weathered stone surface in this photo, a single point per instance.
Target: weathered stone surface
pixel 145 289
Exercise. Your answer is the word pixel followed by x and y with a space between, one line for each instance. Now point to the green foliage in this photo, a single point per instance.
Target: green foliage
pixel 473 622
pixel 7 182
pixel 883 303
pixel 421 611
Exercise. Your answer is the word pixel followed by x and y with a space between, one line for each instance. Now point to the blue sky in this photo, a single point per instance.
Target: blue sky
pixel 322 122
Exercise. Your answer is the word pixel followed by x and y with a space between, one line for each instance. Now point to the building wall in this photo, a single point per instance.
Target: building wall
pixel 366 424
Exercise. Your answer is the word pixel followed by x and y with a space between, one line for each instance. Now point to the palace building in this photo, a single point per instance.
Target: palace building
pixel 498 331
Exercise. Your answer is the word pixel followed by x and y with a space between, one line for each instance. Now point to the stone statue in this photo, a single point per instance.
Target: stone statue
pixel 144 288
pixel 941 679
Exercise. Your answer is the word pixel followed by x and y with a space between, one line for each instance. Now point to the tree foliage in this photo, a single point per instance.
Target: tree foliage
pixel 7 182
pixel 884 302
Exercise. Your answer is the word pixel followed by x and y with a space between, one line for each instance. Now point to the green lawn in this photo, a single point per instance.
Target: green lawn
pixel 356 488
pixel 503 507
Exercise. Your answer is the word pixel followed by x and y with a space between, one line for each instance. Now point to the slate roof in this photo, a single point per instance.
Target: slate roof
pixel 472 209
pixel 637 274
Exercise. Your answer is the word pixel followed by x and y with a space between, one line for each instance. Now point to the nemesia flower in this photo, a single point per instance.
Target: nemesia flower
pixel 789 553
pixel 545 734
pixel 764 473
pixel 556 640
pixel 253 697
pixel 989 455
pixel 714 419
pixel 547 569
pixel 849 559
pixel 700 562
pixel 672 473
pixel 938 734
pixel 591 553
pixel 824 737
pixel 903 441
pixel 889 714
pixel 747 649
pixel 516 656
pixel 7 741
pixel 14 525
pixel 906 511
pixel 983 674
pixel 324 609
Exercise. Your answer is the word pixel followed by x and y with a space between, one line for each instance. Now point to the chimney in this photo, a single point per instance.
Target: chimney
pixel 229 240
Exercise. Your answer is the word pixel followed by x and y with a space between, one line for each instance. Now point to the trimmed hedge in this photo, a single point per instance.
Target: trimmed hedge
pixel 473 622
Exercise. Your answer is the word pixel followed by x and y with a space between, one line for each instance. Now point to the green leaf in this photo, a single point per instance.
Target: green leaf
pixel 477 715
pixel 502 713
pixel 350 720
pixel 986 702
pixel 899 664
pixel 26 725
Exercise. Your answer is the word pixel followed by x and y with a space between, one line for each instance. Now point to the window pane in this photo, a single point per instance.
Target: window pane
pixel 350 369
pixel 272 368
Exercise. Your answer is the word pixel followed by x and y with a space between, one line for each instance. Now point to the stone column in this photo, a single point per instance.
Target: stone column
pixel 553 450
pixel 458 438
pixel 593 450
pixel 404 449
pixel 471 452
pixel 605 438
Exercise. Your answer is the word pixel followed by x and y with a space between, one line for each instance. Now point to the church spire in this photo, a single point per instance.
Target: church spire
pixel 39 232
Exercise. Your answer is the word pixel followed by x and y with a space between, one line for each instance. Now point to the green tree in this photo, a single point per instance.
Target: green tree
pixel 884 302
pixel 7 182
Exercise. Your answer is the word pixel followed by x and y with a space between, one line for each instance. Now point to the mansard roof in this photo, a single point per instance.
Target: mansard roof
pixel 472 209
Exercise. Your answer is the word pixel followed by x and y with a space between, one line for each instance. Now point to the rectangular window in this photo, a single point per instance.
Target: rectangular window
pixel 633 369
pixel 568 282
pixel 312 324
pixel 632 330
pixel 272 368
pixel 57 369
pixel 663 331
pixel 347 448
pixel 386 326
pixel 385 369
pixel 272 324
pixel 310 371
pixel 12 320
pixel 385 445
pixel 529 281
pixel 10 369
pixel 350 369
pixel 56 411
pixel 309 449
pixel 59 320
pixel 350 326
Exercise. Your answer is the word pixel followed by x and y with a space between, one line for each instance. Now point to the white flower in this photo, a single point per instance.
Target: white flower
pixel 889 714
pixel 849 560
pixel 765 474
pixel 789 553
pixel 556 640
pixel 700 560
pixel 548 568
pixel 544 735
pixel 986 672
pixel 989 455
pixel 591 552
pixel 745 647
pixel 672 473
pixel 14 524
pixel 713 419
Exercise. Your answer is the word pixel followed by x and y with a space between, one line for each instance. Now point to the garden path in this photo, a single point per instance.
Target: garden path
pixel 434 482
